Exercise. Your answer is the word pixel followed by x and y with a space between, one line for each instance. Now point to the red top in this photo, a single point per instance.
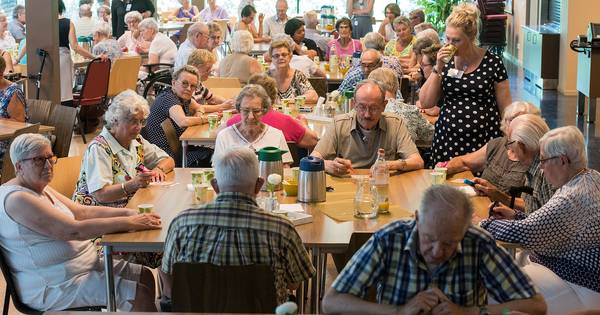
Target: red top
pixel 292 129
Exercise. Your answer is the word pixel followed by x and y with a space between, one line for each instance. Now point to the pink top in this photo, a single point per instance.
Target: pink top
pixel 352 47
pixel 292 129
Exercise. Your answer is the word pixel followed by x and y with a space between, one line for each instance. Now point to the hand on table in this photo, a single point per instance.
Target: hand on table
pixel 145 221
pixel 423 303
pixel 228 104
pixel 502 212
pixel 142 179
pixel 158 175
pixel 339 166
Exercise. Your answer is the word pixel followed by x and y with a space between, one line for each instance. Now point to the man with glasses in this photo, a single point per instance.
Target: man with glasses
pixel 197 38
pixel 369 61
pixel 353 139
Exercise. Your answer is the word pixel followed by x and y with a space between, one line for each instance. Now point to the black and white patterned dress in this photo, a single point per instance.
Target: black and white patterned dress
pixel 469 115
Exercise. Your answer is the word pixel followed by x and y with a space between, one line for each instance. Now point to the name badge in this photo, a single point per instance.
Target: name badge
pixel 128 7
pixel 455 73
pixel 355 22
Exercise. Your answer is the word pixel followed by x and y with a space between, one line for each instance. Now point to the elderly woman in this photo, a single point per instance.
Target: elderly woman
pixel 186 11
pixel 290 82
pixel 420 130
pixel 402 46
pixel 246 23
pixel 391 11
pixel 252 103
pixel 425 50
pixel 304 46
pixel 523 137
pixel 104 44
pixel 103 13
pixel 562 236
pixel 212 11
pixel 120 161
pixel 293 128
pixel 239 64
pixel 298 62
pixel 215 38
pixel 203 60
pixel 46 239
pixel 7 41
pixel 344 45
pixel 131 41
pixel 12 103
pixel 472 89
pixel 162 48
pixel 498 165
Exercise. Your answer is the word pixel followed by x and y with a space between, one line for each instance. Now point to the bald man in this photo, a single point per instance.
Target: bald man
pixel 370 60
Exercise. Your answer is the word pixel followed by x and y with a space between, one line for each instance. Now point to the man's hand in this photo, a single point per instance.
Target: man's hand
pixel 449 308
pixel 338 166
pixel 423 303
pixel 486 188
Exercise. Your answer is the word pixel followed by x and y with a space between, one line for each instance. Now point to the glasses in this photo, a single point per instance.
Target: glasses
pixel 277 56
pixel 363 109
pixel 40 161
pixel 544 160
pixel 141 122
pixel 255 112
pixel 186 85
pixel 509 143
pixel 369 65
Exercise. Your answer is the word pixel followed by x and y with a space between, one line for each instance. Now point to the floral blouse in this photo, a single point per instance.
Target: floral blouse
pixel 298 86
pixel 5 97
pixel 419 128
pixel 390 48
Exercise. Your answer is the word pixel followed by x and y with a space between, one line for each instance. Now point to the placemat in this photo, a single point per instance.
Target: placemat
pixel 343 210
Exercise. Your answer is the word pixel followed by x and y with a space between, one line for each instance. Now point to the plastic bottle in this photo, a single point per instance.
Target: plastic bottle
pixel 333 59
pixel 380 178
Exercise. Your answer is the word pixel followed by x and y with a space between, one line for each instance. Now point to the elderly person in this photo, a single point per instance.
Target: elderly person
pixel 353 139
pixel 391 11
pixel 471 100
pixel 497 164
pixel 110 170
pixel 239 64
pixel 186 11
pixel 104 44
pixel 294 128
pixel 361 12
pixel 304 46
pixel 402 46
pixel 197 38
pixel 12 103
pixel 420 130
pixel 16 27
pixel 162 48
pixel 84 26
pixel 119 8
pixel 437 263
pixel 311 20
pixel 344 45
pixel 276 23
pixel 290 82
pixel 246 23
pixel 370 60
pixel 252 103
pixel 299 62
pixel 524 133
pixel 178 105
pixel 374 40
pixel 213 12
pixel 203 61
pixel 132 41
pixel 7 41
pixel 416 17
pixel 103 13
pixel 425 50
pixel 233 216
pixel 46 239
pixel 562 236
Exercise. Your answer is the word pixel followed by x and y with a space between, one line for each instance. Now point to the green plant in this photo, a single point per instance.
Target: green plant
pixel 437 11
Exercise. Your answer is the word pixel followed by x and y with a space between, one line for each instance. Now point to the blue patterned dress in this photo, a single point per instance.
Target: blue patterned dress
pixel 5 97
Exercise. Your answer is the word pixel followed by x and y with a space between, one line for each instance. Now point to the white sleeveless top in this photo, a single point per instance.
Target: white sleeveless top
pixel 46 271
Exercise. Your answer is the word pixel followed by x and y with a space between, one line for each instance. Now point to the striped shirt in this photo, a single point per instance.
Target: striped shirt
pixel 391 261
pixel 233 230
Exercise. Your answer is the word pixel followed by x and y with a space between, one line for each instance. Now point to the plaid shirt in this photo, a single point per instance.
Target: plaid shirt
pixel 391 260
pixel 233 230
pixel 352 78
pixel 542 190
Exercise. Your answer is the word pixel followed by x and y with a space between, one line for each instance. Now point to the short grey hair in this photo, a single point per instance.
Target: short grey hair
pixel 123 106
pixel 186 68
pixel 311 19
pixel 102 28
pixel 253 90
pixel 515 109
pixel 236 167
pixel 567 141
pixel 373 83
pixel 429 33
pixel 18 9
pixel 452 199
pixel 85 10
pixel 284 37
pixel 25 145
pixel 150 24
pixel 242 42
pixel 528 129
pixel 133 15
pixel 374 40
pixel 196 28
pixel 106 8
pixel 387 78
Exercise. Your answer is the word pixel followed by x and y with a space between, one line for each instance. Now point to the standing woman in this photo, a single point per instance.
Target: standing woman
pixel 402 46
pixel 361 12
pixel 386 29
pixel 472 89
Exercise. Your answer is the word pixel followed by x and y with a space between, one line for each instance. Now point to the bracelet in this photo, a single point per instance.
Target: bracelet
pixel 435 70
pixel 123 189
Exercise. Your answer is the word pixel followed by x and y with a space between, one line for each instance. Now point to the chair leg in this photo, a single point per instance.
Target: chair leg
pixel 6 302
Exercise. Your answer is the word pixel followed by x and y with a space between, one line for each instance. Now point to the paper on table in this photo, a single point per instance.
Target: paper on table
pixel 291 207
pixel 190 187
pixel 163 183
pixel 468 190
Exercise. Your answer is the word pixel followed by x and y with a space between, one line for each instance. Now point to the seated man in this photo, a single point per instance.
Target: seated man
pixel 234 230
pixel 370 60
pixel 437 264
pixel 356 136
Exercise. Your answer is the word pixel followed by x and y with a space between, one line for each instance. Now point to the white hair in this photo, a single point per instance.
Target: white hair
pixel 446 195
pixel 253 90
pixel 85 10
pixel 150 24
pixel 567 141
pixel 528 129
pixel 102 28
pixel 284 37
pixel 311 19
pixel 196 28
pixel 429 33
pixel 26 145
pixel 242 42
pixel 123 106
pixel 515 109
pixel 133 15
pixel 236 167
pixel 374 40
pixel 387 78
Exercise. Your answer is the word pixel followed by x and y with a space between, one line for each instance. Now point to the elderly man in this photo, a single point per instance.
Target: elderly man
pixel 85 25
pixel 437 264
pixel 233 230
pixel 370 60
pixel 356 136
pixel 197 38
pixel 276 23
pixel 16 27
pixel 311 20
pixel 374 40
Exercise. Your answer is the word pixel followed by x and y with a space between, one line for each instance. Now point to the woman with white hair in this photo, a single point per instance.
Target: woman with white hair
pixel 497 164
pixel 203 60
pixel 120 161
pixel 523 137
pixel 162 48
pixel 562 236
pixel 46 239
pixel 104 44
pixel 239 64
pixel 131 41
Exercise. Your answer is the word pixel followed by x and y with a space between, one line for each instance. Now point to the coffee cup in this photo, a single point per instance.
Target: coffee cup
pixel 145 208
pixel 212 120
pixel 437 178
pixel 197 177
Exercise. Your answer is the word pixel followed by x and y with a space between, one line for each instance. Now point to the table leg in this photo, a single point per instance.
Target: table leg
pixel 316 281
pixel 184 152
pixel 580 103
pixel 591 109
pixel 300 293
pixel 110 279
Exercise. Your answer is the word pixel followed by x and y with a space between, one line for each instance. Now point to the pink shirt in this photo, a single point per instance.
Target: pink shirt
pixel 352 47
pixel 292 129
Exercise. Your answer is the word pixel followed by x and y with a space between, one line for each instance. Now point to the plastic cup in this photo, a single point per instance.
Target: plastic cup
pixel 227 114
pixel 200 193
pixel 300 100
pixel 442 170
pixel 145 208
pixel 197 177
pixel 437 178
pixel 207 176
pixel 212 120
pixel 326 65
pixel 295 173
pixel 452 52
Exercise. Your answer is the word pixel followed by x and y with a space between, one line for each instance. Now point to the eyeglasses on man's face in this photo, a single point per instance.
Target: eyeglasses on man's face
pixel 41 161
pixel 544 160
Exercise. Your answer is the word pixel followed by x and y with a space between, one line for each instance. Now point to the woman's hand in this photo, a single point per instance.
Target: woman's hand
pixel 442 55
pixel 142 179
pixel 483 187
pixel 261 18
pixel 502 212
pixel 228 104
pixel 158 175
pixel 146 221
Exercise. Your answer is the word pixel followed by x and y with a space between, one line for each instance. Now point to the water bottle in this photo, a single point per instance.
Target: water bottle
pixel 333 59
pixel 380 179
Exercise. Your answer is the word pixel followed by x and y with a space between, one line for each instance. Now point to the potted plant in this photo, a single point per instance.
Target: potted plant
pixel 437 11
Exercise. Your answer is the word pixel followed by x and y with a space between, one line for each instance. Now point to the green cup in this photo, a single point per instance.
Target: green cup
pixel 197 177
pixel 213 119
pixel 145 208
pixel 437 178
pixel 442 170
pixel 200 193
pixel 207 176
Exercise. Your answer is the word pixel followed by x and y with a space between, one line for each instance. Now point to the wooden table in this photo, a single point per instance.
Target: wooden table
pixel 8 128
pixel 171 27
pixel 324 235
pixel 226 92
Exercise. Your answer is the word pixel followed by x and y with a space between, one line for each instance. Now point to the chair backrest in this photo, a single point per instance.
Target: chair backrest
pixel 319 84
pixel 216 82
pixel 39 110
pixel 66 174
pixel 172 139
pixel 11 291
pixel 123 74
pixel 183 32
pixel 207 288
pixel 63 120
pixel 8 170
pixel 296 152
pixel 95 84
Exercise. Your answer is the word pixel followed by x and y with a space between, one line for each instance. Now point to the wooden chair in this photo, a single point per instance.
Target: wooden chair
pixel 92 98
pixel 8 170
pixel 39 110
pixel 172 140
pixel 208 288
pixel 217 82
pixel 63 119
pixel 123 75
pixel 319 84
pixel 66 174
